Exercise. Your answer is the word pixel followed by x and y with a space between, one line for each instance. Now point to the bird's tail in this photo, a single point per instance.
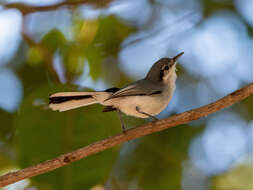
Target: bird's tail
pixel 64 101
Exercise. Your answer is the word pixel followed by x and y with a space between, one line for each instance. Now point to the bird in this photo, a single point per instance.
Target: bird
pixel 144 98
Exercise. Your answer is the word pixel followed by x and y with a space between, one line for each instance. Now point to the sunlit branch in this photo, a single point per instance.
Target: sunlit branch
pixel 130 134
pixel 27 9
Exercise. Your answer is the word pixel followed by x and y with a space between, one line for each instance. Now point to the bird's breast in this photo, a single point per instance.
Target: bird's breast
pixel 151 105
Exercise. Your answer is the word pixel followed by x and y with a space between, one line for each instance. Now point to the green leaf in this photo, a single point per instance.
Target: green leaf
pixel 34 56
pixel 53 40
pixel 237 178
pixel 111 34
pixel 73 57
pixel 95 61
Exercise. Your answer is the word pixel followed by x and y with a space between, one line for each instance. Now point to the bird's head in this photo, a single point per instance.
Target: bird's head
pixel 164 69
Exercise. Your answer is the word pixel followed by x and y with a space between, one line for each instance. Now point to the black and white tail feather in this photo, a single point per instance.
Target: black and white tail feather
pixel 64 101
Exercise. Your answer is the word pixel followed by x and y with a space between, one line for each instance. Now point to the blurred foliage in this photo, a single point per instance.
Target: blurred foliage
pixel 237 179
pixel 53 40
pixel 7 131
pixel 34 56
pixel 93 42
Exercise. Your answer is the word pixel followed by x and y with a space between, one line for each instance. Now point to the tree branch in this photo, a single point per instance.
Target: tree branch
pixel 27 9
pixel 130 134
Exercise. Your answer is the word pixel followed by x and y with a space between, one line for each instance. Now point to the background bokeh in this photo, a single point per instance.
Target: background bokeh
pixel 93 45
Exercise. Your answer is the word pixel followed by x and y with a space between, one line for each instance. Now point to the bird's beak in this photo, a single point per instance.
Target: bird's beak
pixel 177 56
pixel 174 59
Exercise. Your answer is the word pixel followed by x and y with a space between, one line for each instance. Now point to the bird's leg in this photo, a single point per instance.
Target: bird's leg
pixel 153 117
pixel 121 121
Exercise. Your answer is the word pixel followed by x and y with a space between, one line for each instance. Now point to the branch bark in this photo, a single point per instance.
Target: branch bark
pixel 27 9
pixel 130 134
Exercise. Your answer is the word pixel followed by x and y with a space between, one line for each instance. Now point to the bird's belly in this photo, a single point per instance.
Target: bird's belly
pixel 147 104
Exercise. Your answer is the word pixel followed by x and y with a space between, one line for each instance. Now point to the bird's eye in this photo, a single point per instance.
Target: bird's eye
pixel 166 67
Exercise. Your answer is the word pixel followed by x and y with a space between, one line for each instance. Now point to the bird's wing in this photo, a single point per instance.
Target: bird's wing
pixel 137 89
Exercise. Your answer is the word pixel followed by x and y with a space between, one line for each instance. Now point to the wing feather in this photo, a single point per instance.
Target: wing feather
pixel 136 89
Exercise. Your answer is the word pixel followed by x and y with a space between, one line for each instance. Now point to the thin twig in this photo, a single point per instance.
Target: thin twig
pixel 130 134
pixel 27 9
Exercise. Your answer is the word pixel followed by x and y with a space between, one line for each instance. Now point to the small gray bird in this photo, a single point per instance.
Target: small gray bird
pixel 144 98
